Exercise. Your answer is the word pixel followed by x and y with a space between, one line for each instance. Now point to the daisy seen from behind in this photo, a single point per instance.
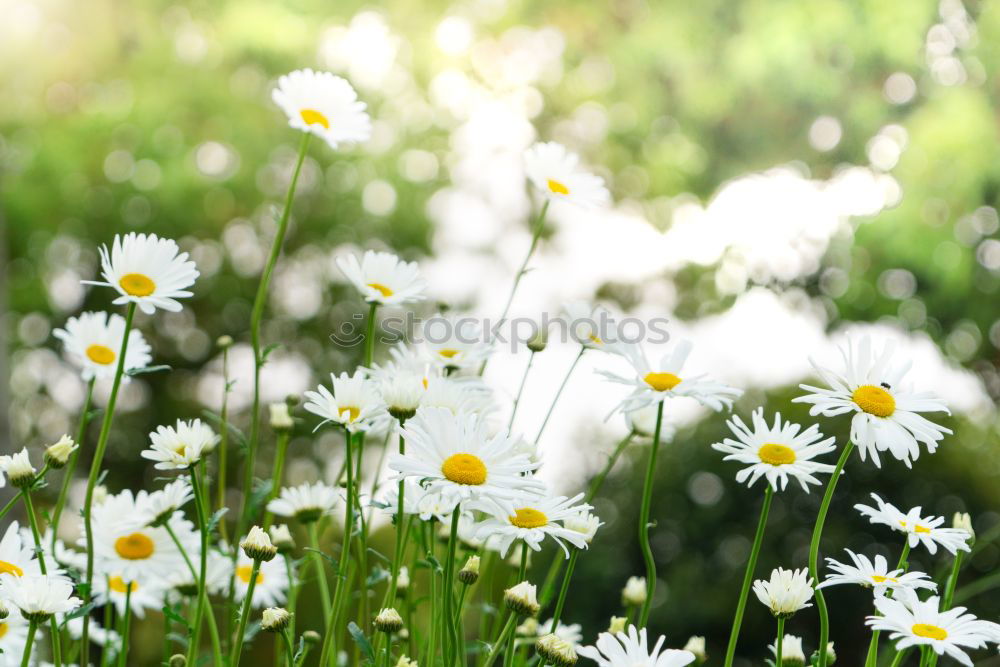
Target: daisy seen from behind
pixel 534 519
pixel 354 403
pixel 786 592
pixel 323 104
pixel 776 452
pixel 886 411
pixel 306 502
pixel 630 648
pixel 558 175
pixel 920 530
pixel 874 574
pixel 452 342
pixel 383 278
pixel 93 340
pixel 180 447
pixel 38 596
pixel 147 270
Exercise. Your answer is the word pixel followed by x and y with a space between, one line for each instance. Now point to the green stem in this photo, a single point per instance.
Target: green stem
pixel 289 651
pixel 449 589
pixel 508 629
pixel 560 603
pixel 223 444
pixel 898 660
pixel 341 584
pixel 779 641
pixel 234 658
pixel 370 334
pixel 81 431
pixel 320 565
pixel 559 392
pixel 520 390
pixel 29 643
pixel 647 496
pixel 37 537
pixel 824 617
pixel 126 629
pixel 748 575
pixel 872 658
pixel 256 315
pixel 203 609
pixel 949 594
pixel 397 552
pixel 95 471
pixel 279 472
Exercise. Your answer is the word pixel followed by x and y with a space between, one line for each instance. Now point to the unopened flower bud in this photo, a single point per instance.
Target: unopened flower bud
pixel 57 455
pixel 281 538
pixel 584 523
pixel 405 662
pixel 403 579
pixel 634 592
pixel 617 624
pixel 527 629
pixel 963 521
pixel 281 420
pixel 177 660
pixel 19 469
pixel 388 621
pixel 257 545
pixel 100 494
pixel 521 599
pixel 696 645
pixel 311 637
pixel 470 571
pixel 538 342
pixel 831 656
pixel 557 651
pixel 224 342
pixel 274 619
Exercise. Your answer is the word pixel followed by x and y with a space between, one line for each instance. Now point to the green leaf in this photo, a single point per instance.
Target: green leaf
pixel 330 559
pixel 77 613
pixel 132 372
pixel 267 352
pixel 236 434
pixel 359 638
pixel 174 616
pixel 216 518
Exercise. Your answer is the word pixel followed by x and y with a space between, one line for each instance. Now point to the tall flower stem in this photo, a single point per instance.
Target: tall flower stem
pixel 559 392
pixel 256 315
pixel 29 642
pixel 320 565
pixel 223 444
pixel 779 641
pixel 520 390
pixel 824 616
pixel 234 657
pixel 949 593
pixel 561 601
pixel 203 608
pixel 126 628
pixel 397 552
pixel 898 660
pixel 508 629
pixel 340 585
pixel 370 335
pixel 647 496
pixel 95 471
pixel 748 576
pixel 284 436
pixel 81 429
pixel 872 658
pixel 451 624
pixel 37 537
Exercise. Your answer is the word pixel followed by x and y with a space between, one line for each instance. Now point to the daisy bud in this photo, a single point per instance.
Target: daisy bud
pixel 4 612
pixel 388 621
pixel 405 662
pixel 224 342
pixel 557 651
pixel 100 494
pixel 470 571
pixel 527 629
pixel 57 455
pixel 177 660
pixel 311 637
pixel 257 545
pixel 584 523
pixel 281 537
pixel 634 592
pixel 274 619
pixel 696 645
pixel 538 342
pixel 281 420
pixel 403 579
pixel 831 656
pixel 791 651
pixel 521 599
pixel 963 521
pixel 19 469
pixel 617 624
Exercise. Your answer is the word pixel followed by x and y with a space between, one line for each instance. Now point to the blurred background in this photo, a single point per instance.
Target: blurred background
pixel 783 173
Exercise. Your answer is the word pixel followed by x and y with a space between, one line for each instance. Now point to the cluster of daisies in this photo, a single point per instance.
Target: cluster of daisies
pixel 455 482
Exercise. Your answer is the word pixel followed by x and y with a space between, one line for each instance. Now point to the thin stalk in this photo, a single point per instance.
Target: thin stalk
pixel 520 389
pixel 95 470
pixel 256 315
pixel 449 590
pixel 279 471
pixel 824 617
pixel 779 640
pixel 81 431
pixel 293 592
pixel 508 628
pixel 898 660
pixel 397 552
pixel 522 572
pixel 223 445
pixel 126 629
pixel 370 334
pixel 318 563
pixel 234 658
pixel 557 614
pixel 647 497
pixel 559 392
pixel 289 651
pixel 748 576
pixel 535 234
pixel 341 584
pixel 203 607
pixel 29 643
pixel 362 543
pixel 37 537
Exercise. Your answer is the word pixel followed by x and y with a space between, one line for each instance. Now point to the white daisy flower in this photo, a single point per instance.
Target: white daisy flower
pixel 218 572
pixel 458 395
pixel 93 341
pixel 455 456
pixel 124 546
pixel 383 278
pixel 272 581
pixel 584 523
pixel 791 651
pixel 13 637
pixel 453 342
pixel 634 592
pixel 161 505
pixel 18 467
pixel 180 447
pixel 777 452
pixel 911 622
pixel 420 502
pixel 653 384
pixel 875 575
pixel 885 410
pixel 401 393
pixel 568 633
pixel 786 592
pixel 148 271
pixel 40 595
pixel 557 174
pixel 306 502
pixel 532 520
pixel 354 403
pixel 919 529
pixel 592 326
pixel 627 650
pixel 147 593
pixel 323 104
pixel 17 555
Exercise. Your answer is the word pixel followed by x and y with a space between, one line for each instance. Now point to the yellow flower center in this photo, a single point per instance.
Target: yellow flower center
pixel 386 292
pixel 921 529
pixel 135 546
pixel 311 117
pixel 776 455
pixel 558 188
pixel 465 469
pixel 662 381
pixel 448 352
pixel 874 400
pixel 244 572
pixel 137 284
pixel 351 412
pixel 3 630
pixel 929 631
pixel 118 585
pixel 595 339
pixel 879 579
pixel 10 568
pixel 101 354
pixel 528 517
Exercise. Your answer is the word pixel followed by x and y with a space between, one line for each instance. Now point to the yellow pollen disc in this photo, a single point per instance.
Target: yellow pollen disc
pixel 244 571
pixel 929 631
pixel 874 400
pixel 136 284
pixel 448 352
pixel 351 411
pixel 3 630
pixel 662 381
pixel 10 568
pixel 594 339
pixel 921 529
pixel 879 579
pixel 776 455
pixel 134 547
pixel 312 117
pixel 180 449
pixel 528 517
pixel 386 292
pixel 425 382
pixel 101 354
pixel 558 188
pixel 465 469
pixel 118 585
